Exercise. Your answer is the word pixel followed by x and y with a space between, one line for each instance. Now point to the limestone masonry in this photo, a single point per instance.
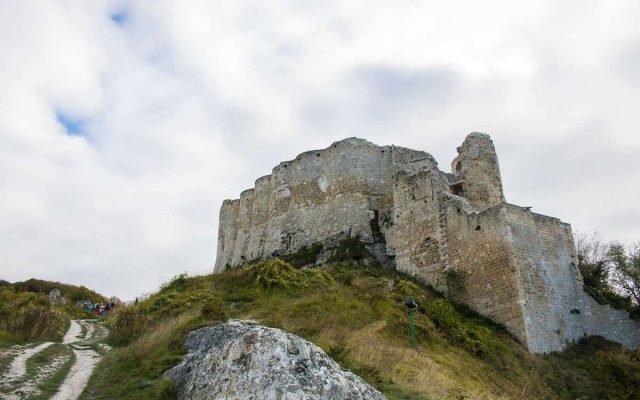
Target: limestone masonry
pixel 454 231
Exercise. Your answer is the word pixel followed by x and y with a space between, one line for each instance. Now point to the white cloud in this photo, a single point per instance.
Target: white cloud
pixel 183 104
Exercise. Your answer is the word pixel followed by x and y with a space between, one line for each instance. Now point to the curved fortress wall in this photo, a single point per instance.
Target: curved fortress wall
pixel 453 231
pixel 321 196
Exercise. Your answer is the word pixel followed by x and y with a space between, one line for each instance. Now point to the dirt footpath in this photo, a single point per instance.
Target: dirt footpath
pixel 86 360
pixel 19 381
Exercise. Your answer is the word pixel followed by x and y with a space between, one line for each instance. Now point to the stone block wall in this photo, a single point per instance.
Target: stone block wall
pixel 416 236
pixel 520 269
pixel 556 309
pixel 481 272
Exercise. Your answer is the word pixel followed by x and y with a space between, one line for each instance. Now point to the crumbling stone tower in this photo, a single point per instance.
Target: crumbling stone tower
pixel 477 173
pixel 454 231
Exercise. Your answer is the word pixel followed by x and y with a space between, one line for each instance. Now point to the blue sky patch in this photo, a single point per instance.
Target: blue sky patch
pixel 73 126
pixel 119 18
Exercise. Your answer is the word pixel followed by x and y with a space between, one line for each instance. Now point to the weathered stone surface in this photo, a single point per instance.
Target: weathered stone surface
pixel 55 297
pixel 454 231
pixel 242 360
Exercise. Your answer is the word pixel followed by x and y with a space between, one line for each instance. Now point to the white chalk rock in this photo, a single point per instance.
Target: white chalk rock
pixel 242 360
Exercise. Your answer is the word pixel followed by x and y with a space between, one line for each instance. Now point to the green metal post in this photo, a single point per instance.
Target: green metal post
pixel 412 312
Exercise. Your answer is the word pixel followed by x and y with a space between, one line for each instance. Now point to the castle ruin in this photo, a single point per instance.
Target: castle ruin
pixel 454 231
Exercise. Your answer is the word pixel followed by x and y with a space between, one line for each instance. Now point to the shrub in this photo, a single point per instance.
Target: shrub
pixel 276 273
pixel 178 282
pixel 127 323
pixel 610 272
pixel 29 316
pixel 405 288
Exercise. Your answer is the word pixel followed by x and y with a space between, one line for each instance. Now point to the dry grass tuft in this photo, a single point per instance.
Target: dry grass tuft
pixel 419 370
pixel 161 335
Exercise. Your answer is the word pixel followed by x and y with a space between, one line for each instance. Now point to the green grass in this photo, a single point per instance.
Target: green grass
pixel 5 360
pixel 7 339
pixel 355 313
pixel 595 369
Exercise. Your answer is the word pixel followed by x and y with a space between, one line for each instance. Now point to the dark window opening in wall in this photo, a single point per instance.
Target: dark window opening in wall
pixel 457 189
pixel 477 227
pixel 458 166
pixel 375 227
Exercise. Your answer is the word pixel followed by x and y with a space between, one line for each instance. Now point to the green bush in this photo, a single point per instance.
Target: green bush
pixel 405 288
pixel 178 282
pixel 29 316
pixel 26 313
pixel 276 273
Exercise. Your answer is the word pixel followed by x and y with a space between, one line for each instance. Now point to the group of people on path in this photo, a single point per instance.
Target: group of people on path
pixel 99 309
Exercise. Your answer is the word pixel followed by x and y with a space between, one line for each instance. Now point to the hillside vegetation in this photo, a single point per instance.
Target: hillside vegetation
pixel 27 315
pixel 611 272
pixel 355 313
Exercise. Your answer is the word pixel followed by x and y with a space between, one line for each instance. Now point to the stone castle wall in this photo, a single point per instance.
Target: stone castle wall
pixel 453 231
pixel 322 195
pixel 483 275
pixel 556 308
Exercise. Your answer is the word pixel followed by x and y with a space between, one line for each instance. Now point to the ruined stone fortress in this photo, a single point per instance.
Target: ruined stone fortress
pixel 454 231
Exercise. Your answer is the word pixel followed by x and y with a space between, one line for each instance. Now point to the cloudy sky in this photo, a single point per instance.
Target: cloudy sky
pixel 124 124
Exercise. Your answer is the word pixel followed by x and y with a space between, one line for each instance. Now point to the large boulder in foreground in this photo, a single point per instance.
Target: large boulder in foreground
pixel 242 360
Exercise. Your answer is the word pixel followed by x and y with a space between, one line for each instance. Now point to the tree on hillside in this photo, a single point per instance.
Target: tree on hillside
pixel 624 269
pixel 593 261
pixel 610 272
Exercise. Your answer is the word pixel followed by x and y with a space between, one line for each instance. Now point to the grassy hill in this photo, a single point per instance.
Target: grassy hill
pixel 70 292
pixel 27 315
pixel 355 313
